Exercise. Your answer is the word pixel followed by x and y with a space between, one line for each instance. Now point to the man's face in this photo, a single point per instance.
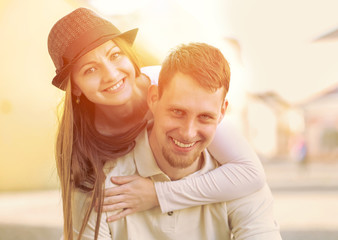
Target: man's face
pixel 185 120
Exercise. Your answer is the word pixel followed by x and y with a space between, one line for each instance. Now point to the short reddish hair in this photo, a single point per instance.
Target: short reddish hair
pixel 204 63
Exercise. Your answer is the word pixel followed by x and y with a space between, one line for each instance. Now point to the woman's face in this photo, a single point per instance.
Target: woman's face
pixel 105 76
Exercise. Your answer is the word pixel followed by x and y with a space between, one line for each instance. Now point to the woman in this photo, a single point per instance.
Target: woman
pixel 105 109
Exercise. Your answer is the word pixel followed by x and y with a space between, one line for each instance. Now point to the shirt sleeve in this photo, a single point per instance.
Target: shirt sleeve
pixel 81 201
pixel 251 217
pixel 241 174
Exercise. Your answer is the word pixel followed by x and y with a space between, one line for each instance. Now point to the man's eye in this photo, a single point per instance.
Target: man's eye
pixel 206 117
pixel 177 112
pixel 90 70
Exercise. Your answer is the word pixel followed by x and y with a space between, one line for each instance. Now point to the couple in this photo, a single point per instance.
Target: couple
pixel 107 130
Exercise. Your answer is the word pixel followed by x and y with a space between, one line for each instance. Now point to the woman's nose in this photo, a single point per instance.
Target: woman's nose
pixel 111 73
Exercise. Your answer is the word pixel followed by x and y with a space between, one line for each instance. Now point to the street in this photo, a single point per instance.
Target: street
pixel 306 199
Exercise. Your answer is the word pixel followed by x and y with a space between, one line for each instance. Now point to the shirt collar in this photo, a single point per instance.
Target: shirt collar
pixel 144 158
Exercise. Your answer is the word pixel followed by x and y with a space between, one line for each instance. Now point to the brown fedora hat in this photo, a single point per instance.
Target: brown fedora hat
pixel 76 34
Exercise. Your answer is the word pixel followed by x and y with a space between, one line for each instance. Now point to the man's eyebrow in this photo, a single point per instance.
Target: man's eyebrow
pixel 212 114
pixel 177 106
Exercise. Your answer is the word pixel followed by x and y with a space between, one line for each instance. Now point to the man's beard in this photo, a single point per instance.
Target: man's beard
pixel 177 161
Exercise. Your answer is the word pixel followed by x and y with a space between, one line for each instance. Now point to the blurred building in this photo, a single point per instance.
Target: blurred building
pixel 302 132
pixel 321 125
pixel 267 124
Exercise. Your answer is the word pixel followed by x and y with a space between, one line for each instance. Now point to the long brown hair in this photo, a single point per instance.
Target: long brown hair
pixel 80 154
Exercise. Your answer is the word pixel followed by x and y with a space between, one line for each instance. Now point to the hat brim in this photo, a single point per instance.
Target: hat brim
pixel 128 36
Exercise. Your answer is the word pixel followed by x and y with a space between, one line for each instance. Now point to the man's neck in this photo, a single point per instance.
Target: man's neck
pixel 172 172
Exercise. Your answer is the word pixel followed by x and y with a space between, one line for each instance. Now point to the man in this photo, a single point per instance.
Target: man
pixel 187 106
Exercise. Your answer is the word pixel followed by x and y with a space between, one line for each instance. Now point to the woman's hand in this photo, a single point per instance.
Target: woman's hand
pixel 134 194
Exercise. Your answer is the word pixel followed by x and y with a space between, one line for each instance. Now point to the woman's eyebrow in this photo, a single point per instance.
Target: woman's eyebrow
pixel 111 49
pixel 87 63
pixel 107 54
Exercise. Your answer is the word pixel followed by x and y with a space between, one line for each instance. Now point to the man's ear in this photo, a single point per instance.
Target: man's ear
pixel 152 97
pixel 223 110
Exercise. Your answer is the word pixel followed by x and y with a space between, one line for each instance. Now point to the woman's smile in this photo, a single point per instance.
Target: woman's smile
pixel 116 87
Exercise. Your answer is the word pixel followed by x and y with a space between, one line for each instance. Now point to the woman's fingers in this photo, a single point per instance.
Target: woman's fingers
pixel 120 215
pixel 114 191
pixel 119 202
pixel 133 194
pixel 119 180
pixel 114 199
pixel 113 207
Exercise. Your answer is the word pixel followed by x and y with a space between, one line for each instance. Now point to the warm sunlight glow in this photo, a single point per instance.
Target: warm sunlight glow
pixel 296 121
pixel 113 7
pixel 263 128
pixel 283 99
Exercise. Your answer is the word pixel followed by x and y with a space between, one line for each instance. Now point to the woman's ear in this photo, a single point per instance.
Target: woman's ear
pixel 76 90
pixel 152 97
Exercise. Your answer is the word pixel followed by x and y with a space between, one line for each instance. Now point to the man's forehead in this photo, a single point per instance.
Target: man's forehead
pixel 206 103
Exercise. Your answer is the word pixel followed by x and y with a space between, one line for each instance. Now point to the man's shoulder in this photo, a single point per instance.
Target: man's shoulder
pixel 209 162
pixel 122 166
pixel 252 216
pixel 127 164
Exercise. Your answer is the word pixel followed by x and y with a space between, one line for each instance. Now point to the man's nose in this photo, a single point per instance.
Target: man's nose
pixel 188 130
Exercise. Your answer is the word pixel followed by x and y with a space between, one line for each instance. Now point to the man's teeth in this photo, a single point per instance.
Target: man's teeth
pixel 183 145
pixel 116 86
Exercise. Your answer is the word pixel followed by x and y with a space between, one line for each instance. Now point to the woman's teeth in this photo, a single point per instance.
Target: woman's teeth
pixel 116 86
pixel 183 145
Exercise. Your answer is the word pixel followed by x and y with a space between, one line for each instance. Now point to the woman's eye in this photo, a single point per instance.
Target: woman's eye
pixel 115 55
pixel 89 70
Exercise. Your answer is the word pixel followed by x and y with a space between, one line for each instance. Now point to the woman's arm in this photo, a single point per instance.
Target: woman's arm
pixel 241 174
